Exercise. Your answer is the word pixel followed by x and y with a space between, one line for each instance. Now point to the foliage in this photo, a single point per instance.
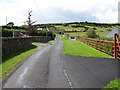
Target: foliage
pixel 80 28
pixel 63 37
pixel 31 31
pixel 10 24
pixel 104 38
pixel 13 27
pixel 6 33
pixel 91 34
pixel 44 33
pixel 61 31
pixel 79 49
pixel 114 85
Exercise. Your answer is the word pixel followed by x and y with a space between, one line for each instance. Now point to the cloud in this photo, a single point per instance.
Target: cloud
pixel 45 11
pixel 62 15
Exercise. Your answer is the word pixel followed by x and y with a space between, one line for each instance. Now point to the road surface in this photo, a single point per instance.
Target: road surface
pixel 50 68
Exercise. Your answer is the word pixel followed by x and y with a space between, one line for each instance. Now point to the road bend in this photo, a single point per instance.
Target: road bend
pixel 41 70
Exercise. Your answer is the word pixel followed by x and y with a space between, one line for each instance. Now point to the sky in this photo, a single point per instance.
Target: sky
pixel 59 11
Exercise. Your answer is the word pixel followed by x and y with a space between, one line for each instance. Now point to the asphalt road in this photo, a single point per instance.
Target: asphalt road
pixel 50 68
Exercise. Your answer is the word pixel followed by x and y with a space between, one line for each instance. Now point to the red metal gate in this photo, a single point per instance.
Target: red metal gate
pixel 109 47
pixel 116 46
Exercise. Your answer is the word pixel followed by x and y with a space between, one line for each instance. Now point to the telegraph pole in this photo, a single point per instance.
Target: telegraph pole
pixel 6 20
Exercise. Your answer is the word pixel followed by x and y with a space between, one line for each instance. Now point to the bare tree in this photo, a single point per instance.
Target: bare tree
pixel 30 29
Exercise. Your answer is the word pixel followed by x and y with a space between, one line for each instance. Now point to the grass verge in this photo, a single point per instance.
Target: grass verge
pixel 113 85
pixel 45 41
pixel 11 61
pixel 63 37
pixel 79 49
pixel 51 41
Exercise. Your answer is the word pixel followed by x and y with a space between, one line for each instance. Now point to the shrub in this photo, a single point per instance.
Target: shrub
pixel 44 33
pixel 6 33
pixel 91 34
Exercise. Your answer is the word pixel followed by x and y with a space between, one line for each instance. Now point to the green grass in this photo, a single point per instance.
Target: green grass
pixel 45 41
pixel 98 28
pixel 114 85
pixel 51 41
pixel 83 34
pixel 63 37
pixel 10 62
pixel 101 31
pixel 79 49
pixel 102 34
pixel 76 34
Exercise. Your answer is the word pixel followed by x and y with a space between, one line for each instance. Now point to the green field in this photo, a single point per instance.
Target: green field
pixel 79 49
pixel 102 29
pixel 76 34
pixel 63 37
pixel 83 34
pixel 10 62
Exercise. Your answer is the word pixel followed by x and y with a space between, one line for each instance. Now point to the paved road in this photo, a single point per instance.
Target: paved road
pixel 50 68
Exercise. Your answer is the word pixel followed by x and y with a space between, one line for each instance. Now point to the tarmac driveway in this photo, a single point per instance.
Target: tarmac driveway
pixel 85 72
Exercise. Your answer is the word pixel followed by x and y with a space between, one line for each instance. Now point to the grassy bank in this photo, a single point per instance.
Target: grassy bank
pixel 113 85
pixel 10 62
pixel 79 49
pixel 45 41
pixel 51 41
pixel 63 37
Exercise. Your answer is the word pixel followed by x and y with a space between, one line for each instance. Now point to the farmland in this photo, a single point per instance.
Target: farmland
pixel 73 28
pixel 80 28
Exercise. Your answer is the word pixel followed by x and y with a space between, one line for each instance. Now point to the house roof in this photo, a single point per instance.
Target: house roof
pixel 111 34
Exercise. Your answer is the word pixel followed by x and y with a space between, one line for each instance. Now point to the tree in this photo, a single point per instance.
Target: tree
pixel 30 30
pixel 10 24
pixel 91 34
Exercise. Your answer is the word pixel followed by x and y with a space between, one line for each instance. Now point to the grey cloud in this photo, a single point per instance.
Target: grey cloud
pixel 60 15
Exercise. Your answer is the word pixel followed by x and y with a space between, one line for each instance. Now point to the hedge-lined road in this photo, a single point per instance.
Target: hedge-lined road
pixel 50 68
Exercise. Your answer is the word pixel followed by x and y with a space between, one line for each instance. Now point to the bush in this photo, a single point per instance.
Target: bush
pixel 91 34
pixel 50 33
pixel 6 33
pixel 44 33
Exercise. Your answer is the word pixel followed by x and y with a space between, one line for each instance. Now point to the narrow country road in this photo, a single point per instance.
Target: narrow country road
pixel 50 68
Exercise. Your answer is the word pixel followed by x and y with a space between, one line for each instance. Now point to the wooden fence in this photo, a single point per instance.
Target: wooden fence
pixel 109 47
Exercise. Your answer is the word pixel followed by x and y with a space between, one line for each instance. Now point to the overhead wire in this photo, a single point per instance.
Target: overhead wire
pixel 43 19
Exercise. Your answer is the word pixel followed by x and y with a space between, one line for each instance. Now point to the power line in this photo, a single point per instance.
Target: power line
pixel 39 10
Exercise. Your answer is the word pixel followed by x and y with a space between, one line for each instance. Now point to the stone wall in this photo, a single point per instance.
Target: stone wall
pixel 13 44
pixel 41 38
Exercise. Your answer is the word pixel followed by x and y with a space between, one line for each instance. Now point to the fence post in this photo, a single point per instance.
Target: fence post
pixel 115 45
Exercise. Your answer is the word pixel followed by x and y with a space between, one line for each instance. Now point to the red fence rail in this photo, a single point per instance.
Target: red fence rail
pixel 109 47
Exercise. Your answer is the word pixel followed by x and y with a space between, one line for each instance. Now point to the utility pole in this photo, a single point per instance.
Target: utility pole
pixel 30 29
pixel 6 20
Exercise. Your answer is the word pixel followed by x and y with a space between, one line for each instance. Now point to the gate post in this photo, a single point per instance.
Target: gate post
pixel 115 45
